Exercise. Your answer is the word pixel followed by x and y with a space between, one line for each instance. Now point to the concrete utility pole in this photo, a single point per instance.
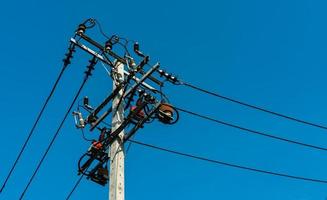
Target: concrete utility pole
pixel 116 153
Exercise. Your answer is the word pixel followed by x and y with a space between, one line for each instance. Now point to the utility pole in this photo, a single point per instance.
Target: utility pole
pixel 126 84
pixel 116 152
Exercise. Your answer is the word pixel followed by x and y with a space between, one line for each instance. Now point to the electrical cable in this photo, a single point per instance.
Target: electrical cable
pixel 77 182
pixel 101 30
pixel 107 37
pixel 230 164
pixel 131 141
pixel 129 145
pixel 255 107
pixel 85 138
pixel 251 131
pixel 84 172
pixel 66 63
pixel 125 48
pixel 75 186
pixel 88 73
pixel 89 21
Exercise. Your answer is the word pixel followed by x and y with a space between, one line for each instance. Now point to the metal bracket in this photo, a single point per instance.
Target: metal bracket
pixel 100 57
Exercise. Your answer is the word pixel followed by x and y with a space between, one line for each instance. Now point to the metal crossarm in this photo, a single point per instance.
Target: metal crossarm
pixel 141 122
pixel 100 57
pixel 134 87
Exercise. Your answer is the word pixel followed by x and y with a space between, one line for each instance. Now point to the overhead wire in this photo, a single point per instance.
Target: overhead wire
pixel 234 126
pixel 250 130
pixel 129 145
pixel 61 124
pixel 85 138
pixel 219 95
pixel 254 106
pixel 101 30
pixel 88 73
pixel 214 161
pixel 229 164
pixel 250 106
pixel 66 63
pixel 231 125
pixel 75 186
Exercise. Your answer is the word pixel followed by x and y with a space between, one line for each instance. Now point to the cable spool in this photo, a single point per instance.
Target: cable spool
pixel 167 114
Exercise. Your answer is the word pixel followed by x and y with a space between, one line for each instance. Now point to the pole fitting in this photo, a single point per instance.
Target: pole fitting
pixel 170 77
pixel 137 49
pixel 112 41
pixel 89 23
pixel 81 29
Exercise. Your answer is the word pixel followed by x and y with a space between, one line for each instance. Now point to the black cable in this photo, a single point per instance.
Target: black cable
pixel 107 37
pixel 89 23
pixel 85 138
pixel 251 131
pixel 88 73
pixel 75 186
pixel 255 107
pixel 52 141
pixel 230 164
pixel 66 63
pixel 79 180
pixel 129 145
pixel 101 30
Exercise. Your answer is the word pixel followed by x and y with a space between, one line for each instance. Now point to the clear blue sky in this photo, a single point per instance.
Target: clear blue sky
pixel 269 53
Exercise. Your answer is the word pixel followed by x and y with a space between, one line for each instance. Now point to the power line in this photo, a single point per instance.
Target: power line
pixel 88 73
pixel 52 141
pixel 131 141
pixel 251 131
pixel 230 164
pixel 75 186
pixel 66 63
pixel 255 107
